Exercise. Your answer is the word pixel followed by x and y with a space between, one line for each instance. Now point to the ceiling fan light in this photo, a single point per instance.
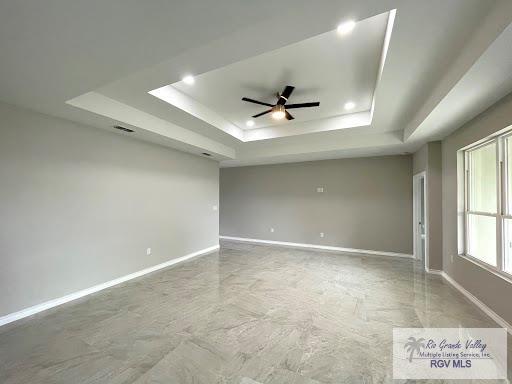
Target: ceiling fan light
pixel 278 112
pixel 278 115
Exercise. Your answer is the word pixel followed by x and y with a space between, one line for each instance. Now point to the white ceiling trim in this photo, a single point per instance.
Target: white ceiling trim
pixel 353 145
pixel 113 109
pixel 489 29
pixel 174 97
pixel 171 95
pixel 385 47
pixel 402 94
pixel 493 74
pixel 351 120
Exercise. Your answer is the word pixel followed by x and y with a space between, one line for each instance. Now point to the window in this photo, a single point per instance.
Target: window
pixel 487 180
pixel 482 209
pixel 507 219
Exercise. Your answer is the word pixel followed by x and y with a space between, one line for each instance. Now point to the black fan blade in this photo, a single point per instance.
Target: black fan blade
pixel 263 113
pixel 288 116
pixel 256 102
pixel 303 105
pixel 285 95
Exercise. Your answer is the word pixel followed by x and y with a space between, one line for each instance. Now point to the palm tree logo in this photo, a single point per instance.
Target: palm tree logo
pixel 414 345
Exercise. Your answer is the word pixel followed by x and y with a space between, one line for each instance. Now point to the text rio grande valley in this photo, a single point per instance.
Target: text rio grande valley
pixel 449 355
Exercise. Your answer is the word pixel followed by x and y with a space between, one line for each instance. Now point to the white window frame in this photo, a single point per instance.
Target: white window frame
pixel 501 208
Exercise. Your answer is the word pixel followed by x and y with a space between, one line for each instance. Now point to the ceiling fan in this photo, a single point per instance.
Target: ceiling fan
pixel 279 110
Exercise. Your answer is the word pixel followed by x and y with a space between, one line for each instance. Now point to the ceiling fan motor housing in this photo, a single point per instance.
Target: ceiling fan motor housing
pixel 279 110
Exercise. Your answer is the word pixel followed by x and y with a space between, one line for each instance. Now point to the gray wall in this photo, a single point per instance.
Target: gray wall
pixel 494 291
pixel 366 204
pixel 428 159
pixel 435 207
pixel 420 160
pixel 79 206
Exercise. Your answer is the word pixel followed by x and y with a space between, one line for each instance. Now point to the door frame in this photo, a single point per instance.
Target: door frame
pixel 416 207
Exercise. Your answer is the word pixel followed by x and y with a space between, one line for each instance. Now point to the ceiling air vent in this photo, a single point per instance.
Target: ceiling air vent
pixel 206 154
pixel 123 129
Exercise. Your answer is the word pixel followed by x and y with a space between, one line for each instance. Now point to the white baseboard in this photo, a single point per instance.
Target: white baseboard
pixel 76 295
pixel 488 311
pixel 435 271
pixel 317 247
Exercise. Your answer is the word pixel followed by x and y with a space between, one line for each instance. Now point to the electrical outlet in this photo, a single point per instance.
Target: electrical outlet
pixel 271 229
pixel 320 189
pixel 321 234
pixel 148 251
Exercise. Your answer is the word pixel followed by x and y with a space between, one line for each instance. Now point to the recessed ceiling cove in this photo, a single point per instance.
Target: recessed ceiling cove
pixel 341 71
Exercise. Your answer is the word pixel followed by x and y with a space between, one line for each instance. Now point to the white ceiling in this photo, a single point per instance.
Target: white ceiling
pixel 330 68
pixel 447 61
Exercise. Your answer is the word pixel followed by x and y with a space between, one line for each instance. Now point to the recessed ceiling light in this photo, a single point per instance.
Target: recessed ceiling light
pixel 278 112
pixel 249 123
pixel 346 27
pixel 349 105
pixel 189 80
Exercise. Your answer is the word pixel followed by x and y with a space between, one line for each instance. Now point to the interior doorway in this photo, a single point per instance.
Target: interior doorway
pixel 420 222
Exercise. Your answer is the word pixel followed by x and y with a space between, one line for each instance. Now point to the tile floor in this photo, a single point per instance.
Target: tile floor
pixel 247 314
